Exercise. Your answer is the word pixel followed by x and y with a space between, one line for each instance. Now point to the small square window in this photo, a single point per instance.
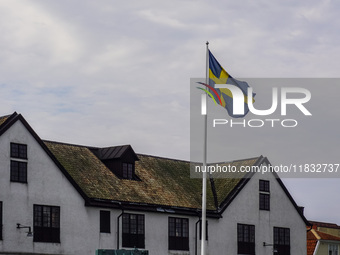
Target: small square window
pixel 18 150
pixel 264 186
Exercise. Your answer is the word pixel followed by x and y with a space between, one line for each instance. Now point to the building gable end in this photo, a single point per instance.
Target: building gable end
pixel 18 117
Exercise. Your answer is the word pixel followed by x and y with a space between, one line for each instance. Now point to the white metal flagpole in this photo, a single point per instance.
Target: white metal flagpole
pixel 204 177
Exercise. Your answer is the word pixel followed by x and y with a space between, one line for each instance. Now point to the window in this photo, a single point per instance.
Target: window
pixel 18 162
pixel 178 234
pixel 0 220
pixel 128 171
pixel 264 196
pixel 264 202
pixel 282 241
pixel 105 222
pixel 18 171
pixel 18 150
pixel 46 224
pixel 206 230
pixel 333 249
pixel 264 186
pixel 133 230
pixel 245 239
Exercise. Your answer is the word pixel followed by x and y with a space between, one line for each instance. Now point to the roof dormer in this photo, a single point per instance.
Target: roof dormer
pixel 119 159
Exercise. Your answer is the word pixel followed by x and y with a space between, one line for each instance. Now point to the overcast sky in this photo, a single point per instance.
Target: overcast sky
pixel 107 73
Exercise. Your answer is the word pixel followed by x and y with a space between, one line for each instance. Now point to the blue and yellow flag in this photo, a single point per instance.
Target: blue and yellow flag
pixel 217 75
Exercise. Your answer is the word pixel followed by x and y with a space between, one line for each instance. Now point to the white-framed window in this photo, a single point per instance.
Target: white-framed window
pixel 333 249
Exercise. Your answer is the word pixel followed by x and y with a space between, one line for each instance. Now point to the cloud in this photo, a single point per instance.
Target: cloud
pixel 31 34
pixel 105 73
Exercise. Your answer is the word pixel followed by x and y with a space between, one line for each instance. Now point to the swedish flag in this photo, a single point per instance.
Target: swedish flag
pixel 217 75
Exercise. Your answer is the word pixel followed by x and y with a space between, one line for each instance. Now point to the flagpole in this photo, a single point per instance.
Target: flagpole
pixel 204 177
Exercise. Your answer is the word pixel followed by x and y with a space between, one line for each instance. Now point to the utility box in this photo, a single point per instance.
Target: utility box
pixel 122 252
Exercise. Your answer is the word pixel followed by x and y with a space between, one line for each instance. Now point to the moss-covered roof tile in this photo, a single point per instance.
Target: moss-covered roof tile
pixel 3 119
pixel 162 181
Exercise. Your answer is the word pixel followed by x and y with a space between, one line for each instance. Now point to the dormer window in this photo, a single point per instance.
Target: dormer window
pixel 120 160
pixel 128 171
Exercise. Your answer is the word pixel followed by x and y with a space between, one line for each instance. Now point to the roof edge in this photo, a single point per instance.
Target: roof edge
pixel 157 208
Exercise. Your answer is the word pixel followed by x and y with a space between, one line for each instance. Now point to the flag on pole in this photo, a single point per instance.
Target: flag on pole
pixel 217 75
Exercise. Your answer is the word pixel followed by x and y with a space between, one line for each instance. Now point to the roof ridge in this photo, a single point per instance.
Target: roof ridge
pixel 237 160
pixel 325 224
pixel 189 161
pixel 85 146
pixel 112 146
pixel 160 157
pixel 70 144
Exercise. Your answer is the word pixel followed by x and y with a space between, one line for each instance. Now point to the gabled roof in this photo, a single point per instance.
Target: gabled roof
pixel 164 184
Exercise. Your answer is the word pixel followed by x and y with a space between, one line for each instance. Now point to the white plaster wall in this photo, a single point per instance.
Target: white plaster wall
pixel 245 209
pixel 156 233
pixel 46 185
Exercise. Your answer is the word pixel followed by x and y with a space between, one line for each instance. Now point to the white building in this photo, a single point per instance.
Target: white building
pixel 78 199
